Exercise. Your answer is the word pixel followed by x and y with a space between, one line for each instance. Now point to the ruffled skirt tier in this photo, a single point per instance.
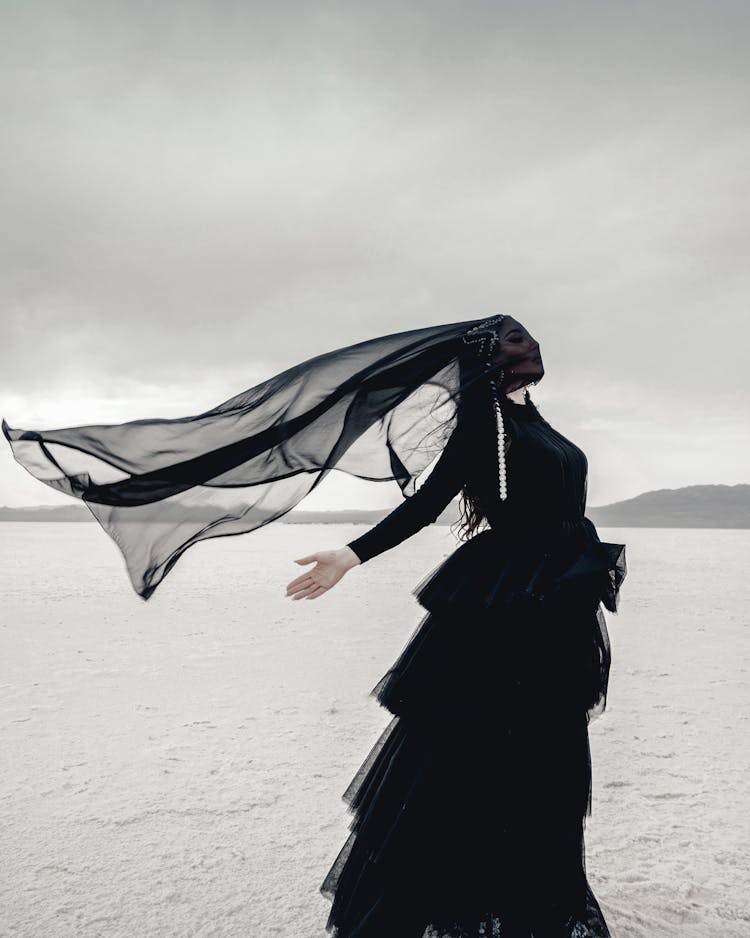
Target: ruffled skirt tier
pixel 469 811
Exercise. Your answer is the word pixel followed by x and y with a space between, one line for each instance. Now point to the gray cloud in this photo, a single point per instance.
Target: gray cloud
pixel 202 194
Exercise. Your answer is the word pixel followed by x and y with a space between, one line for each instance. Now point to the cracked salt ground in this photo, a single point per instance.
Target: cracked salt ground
pixel 175 768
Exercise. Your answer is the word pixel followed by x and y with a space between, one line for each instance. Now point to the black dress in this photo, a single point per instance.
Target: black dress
pixel 469 812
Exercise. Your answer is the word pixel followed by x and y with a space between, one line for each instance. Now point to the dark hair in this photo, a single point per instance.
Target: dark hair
pixel 471 517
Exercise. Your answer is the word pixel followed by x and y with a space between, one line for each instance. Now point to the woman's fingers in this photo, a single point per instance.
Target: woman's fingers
pixel 318 592
pixel 306 583
pixel 298 581
pixel 305 591
pixel 321 575
pixel 326 572
pixel 303 577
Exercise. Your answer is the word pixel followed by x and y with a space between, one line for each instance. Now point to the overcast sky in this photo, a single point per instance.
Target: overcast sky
pixel 198 195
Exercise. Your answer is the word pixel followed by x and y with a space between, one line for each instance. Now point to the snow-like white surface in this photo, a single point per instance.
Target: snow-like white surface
pixel 175 768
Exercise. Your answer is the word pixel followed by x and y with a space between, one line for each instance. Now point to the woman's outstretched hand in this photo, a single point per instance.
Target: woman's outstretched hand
pixel 330 566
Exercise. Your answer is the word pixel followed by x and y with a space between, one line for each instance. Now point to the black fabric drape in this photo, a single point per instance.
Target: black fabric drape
pixel 381 409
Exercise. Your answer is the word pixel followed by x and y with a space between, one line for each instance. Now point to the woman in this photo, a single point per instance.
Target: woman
pixel 469 810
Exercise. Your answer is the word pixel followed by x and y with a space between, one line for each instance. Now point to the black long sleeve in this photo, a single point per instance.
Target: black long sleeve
pixel 423 507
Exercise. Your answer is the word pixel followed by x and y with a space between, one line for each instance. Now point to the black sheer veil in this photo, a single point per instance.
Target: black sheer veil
pixel 381 409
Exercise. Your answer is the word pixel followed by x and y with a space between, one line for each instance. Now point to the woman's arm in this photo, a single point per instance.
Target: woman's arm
pixel 423 507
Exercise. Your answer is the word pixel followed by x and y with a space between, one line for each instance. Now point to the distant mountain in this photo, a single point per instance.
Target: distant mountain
pixel 298 516
pixel 46 513
pixel 81 513
pixel 694 506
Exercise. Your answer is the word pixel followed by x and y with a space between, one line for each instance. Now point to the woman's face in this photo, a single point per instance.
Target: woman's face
pixel 518 355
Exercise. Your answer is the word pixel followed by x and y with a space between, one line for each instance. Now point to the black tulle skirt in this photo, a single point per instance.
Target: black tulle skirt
pixel 469 811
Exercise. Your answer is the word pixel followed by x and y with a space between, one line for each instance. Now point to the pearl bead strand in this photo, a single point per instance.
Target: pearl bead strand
pixel 501 469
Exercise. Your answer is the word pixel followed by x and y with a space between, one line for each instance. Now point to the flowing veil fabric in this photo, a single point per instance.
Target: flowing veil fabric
pixel 381 409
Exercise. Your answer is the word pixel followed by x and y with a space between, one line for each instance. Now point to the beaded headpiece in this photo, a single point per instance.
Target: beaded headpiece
pixel 483 339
